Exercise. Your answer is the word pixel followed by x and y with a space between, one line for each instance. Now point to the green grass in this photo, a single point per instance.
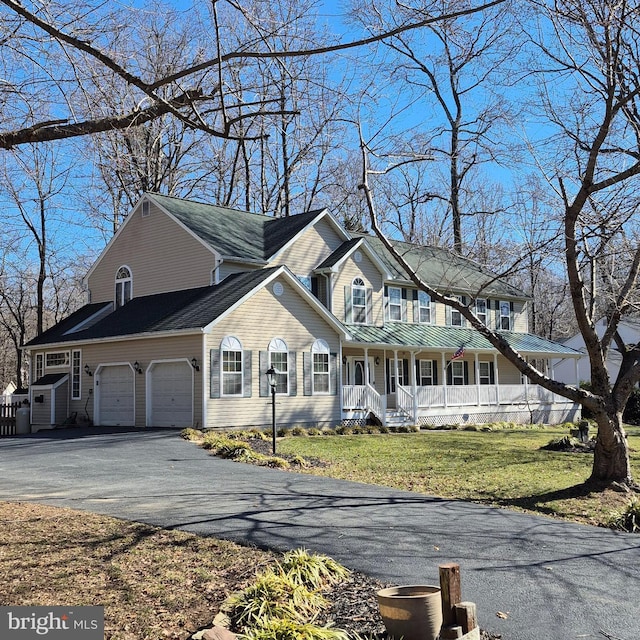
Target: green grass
pixel 505 468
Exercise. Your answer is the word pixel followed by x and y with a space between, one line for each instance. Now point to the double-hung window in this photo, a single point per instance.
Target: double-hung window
pixel 424 307
pixel 76 374
pixel 359 301
pixel 457 372
pixel 455 315
pixel 425 373
pixel 395 303
pixel 481 310
pixel 320 373
pixel 505 315
pixel 279 360
pixel 231 362
pixel 484 373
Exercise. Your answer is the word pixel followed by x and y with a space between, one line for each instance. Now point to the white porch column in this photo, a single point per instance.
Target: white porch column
pixel 497 378
pixel 477 374
pixel 414 385
pixel 526 383
pixel 444 378
pixel 395 367
pixel 366 366
pixel 576 366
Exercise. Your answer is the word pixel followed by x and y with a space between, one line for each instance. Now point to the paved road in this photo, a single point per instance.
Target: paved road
pixel 554 580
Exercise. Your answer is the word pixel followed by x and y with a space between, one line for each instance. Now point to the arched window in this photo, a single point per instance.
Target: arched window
pixel 279 360
pixel 231 363
pixel 359 301
pixel 320 374
pixel 123 286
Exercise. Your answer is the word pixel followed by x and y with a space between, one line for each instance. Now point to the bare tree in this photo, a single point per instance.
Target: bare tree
pixel 591 50
pixel 452 71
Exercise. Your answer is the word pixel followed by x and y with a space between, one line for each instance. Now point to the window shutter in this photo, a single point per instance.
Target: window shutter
pixel 314 285
pixel 386 302
pixel 434 371
pixel 214 378
pixel 511 316
pixel 417 373
pixel 369 304
pixel 348 315
pixel 263 361
pixel 333 374
pixel 293 373
pixel 415 307
pixel 466 372
pixel 448 315
pixel 246 374
pixel 449 374
pixel 404 305
pixel 492 374
pixel 307 372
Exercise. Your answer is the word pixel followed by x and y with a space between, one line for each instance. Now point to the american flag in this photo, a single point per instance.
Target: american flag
pixel 458 354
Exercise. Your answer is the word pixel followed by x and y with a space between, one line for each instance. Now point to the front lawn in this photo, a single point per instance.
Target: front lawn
pixel 500 467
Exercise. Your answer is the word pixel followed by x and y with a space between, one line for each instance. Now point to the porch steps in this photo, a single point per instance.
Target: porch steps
pixel 395 418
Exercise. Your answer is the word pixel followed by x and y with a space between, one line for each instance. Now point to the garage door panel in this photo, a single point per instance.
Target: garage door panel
pixel 171 395
pixel 116 396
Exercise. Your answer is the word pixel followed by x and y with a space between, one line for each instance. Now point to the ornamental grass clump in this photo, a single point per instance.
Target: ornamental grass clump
pixel 628 519
pixel 279 629
pixel 312 570
pixel 191 434
pixel 273 595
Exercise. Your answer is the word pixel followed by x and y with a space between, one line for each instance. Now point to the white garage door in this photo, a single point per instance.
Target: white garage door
pixel 171 395
pixel 116 396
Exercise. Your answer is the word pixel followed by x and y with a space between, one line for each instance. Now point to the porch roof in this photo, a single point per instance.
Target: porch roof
pixel 407 336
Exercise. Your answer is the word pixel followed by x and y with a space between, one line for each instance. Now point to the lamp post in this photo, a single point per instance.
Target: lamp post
pixel 272 379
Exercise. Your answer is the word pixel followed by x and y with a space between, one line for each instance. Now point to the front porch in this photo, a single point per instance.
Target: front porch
pixel 467 404
pixel 428 375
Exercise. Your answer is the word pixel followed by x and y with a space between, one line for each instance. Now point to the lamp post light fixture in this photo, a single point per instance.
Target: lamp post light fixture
pixel 272 379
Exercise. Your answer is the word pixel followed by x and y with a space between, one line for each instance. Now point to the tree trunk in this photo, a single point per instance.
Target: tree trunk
pixel 611 455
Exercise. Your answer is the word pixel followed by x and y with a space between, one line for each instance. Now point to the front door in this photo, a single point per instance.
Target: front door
pixel 356 373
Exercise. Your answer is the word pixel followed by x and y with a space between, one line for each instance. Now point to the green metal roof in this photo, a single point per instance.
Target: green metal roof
pixel 404 335
pixel 444 270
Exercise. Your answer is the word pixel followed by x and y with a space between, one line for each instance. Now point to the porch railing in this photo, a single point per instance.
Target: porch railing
pixel 364 397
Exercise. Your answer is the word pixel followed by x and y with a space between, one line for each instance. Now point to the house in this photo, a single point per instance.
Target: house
pixel 190 304
pixel 568 370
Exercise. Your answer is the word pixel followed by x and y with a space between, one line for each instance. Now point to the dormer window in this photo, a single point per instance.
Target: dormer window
pixel 123 286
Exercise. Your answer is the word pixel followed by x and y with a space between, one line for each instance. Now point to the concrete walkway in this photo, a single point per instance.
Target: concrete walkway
pixel 554 580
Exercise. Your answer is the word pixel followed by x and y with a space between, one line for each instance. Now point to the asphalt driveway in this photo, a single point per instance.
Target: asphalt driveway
pixel 553 580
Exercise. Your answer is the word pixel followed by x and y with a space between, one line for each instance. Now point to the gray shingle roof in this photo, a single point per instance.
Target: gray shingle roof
pixel 444 270
pixel 174 311
pixel 233 233
pixel 396 334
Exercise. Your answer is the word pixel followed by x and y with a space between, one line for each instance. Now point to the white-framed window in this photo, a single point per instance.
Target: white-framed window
pixel 320 367
pixel 279 360
pixel 455 317
pixel 457 372
pixel 123 286
pixel 359 301
pixel 425 373
pixel 484 372
pixel 424 307
pixel 76 374
pixel 395 303
pixel 481 309
pixel 57 359
pixel 146 208
pixel 306 281
pixel 231 364
pixel 39 366
pixel 505 315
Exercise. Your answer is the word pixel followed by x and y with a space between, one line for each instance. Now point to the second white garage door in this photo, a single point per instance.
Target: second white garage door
pixel 171 394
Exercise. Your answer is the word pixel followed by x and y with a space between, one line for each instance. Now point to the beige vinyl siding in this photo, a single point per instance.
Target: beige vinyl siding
pixel 310 249
pixel 263 317
pixel 521 318
pixel 41 411
pixel 372 278
pixel 161 255
pixel 144 351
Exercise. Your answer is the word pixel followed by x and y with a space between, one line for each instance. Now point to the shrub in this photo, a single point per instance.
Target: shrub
pixel 275 462
pixel 191 434
pixel 283 432
pixel 328 431
pixel 343 430
pixel 628 519
pixel 298 431
pixel 279 629
pixel 298 461
pixel 313 571
pixel 560 444
pixel 313 431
